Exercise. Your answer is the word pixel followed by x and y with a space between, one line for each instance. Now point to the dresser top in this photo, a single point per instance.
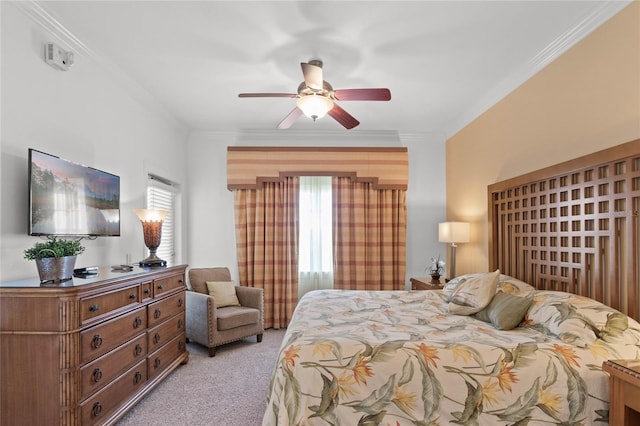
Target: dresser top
pixel 105 274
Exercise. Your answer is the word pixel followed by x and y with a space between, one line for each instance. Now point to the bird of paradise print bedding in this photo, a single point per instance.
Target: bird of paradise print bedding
pixel 399 358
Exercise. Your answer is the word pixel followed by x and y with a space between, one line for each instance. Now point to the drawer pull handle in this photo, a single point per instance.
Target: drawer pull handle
pixel 137 378
pixel 180 324
pixel 137 322
pixel 94 308
pixel 157 313
pixel 147 291
pixel 97 375
pixel 96 409
pixel 157 363
pixel 96 342
pixel 160 287
pixel 181 281
pixel 180 302
pixel 132 296
pixel 156 338
pixel 180 345
pixel 138 350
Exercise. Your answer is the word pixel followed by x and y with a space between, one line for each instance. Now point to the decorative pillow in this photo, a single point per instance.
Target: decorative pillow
pixel 224 292
pixel 505 311
pixel 506 284
pixel 474 294
pixel 452 284
pixel 514 286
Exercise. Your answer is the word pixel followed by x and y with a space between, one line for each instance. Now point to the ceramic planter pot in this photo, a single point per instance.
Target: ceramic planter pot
pixel 56 268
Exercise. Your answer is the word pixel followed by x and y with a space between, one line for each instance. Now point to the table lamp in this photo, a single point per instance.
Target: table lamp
pixel 152 228
pixel 453 232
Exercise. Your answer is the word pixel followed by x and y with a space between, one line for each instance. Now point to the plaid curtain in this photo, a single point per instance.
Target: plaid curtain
pixel 267 246
pixel 369 236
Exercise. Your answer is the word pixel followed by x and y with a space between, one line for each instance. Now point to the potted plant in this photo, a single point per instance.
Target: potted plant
pixel 436 269
pixel 55 258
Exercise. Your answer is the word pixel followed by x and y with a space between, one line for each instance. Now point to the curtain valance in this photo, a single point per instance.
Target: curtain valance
pixel 248 167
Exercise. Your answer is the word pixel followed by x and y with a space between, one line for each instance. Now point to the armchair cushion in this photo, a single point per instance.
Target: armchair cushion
pixel 199 276
pixel 236 316
pixel 224 292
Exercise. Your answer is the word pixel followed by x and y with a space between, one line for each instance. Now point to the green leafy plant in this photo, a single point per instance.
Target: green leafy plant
pixel 53 247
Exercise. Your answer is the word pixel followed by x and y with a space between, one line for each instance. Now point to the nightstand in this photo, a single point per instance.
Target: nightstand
pixel 624 391
pixel 425 284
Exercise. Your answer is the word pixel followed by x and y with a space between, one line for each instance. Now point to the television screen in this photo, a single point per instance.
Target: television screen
pixel 67 198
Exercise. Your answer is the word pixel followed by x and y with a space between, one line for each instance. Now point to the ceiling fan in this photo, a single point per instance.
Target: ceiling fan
pixel 316 98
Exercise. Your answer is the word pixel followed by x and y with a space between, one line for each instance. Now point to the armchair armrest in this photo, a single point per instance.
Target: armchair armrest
pixel 251 297
pixel 201 315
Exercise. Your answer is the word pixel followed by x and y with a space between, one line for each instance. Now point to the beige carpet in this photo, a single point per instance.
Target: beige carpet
pixel 229 389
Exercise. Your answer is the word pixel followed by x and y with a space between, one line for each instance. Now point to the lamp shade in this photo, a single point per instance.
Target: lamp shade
pixel 453 232
pixel 151 215
pixel 151 220
pixel 314 106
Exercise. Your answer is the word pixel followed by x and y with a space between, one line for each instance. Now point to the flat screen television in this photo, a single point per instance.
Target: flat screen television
pixel 69 199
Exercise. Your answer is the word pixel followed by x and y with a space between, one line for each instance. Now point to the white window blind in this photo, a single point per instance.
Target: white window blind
pixel 161 194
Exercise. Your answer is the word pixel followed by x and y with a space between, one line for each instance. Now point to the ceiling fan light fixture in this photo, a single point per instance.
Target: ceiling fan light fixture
pixel 314 106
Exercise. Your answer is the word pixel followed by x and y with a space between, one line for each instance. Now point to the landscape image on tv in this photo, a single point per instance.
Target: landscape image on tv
pixel 71 199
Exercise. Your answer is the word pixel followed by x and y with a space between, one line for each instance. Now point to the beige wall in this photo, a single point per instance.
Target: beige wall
pixel 586 100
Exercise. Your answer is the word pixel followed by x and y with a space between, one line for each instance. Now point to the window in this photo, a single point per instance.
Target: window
pixel 315 241
pixel 162 194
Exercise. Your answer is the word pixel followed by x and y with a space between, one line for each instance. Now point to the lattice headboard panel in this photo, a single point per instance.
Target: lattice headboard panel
pixel 573 227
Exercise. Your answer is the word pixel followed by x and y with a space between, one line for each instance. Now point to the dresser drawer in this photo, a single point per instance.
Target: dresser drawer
pixel 92 307
pixel 98 340
pixel 147 290
pixel 160 359
pixel 103 370
pixel 98 408
pixel 165 308
pixel 165 285
pixel 166 331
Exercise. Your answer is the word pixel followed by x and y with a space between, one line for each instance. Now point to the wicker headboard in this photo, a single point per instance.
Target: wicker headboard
pixel 573 227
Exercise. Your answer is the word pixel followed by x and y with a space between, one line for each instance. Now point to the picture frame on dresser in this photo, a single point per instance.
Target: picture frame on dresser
pixel 87 350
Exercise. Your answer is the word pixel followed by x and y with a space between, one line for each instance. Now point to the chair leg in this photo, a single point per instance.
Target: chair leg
pixel 212 351
pixel 259 337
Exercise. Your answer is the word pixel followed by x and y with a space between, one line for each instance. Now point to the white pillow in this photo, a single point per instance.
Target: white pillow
pixel 474 294
pixel 224 292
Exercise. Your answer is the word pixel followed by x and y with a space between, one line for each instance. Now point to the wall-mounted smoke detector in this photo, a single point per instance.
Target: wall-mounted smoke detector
pixel 57 57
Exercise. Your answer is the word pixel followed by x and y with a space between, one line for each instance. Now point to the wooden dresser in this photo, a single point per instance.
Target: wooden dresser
pixel 86 350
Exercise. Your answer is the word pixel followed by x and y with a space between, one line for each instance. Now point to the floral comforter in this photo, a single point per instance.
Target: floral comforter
pixel 399 358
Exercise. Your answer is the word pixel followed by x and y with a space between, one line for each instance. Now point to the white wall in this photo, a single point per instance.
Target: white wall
pixel 85 115
pixel 89 116
pixel 210 209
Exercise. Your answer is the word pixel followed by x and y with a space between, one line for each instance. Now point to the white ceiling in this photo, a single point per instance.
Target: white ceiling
pixel 444 61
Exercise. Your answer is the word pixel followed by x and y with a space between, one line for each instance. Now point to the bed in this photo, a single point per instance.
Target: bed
pixel 400 358
pixel 489 348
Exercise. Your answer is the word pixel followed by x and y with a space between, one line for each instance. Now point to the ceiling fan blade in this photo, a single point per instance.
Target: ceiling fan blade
pixel 312 75
pixel 267 95
pixel 343 117
pixel 290 118
pixel 363 94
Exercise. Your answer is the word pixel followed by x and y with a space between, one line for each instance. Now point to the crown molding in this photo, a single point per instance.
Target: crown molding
pixel 38 13
pixel 605 11
pixel 324 137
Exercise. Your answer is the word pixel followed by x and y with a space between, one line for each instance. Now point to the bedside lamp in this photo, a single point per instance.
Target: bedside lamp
pixel 453 232
pixel 152 228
